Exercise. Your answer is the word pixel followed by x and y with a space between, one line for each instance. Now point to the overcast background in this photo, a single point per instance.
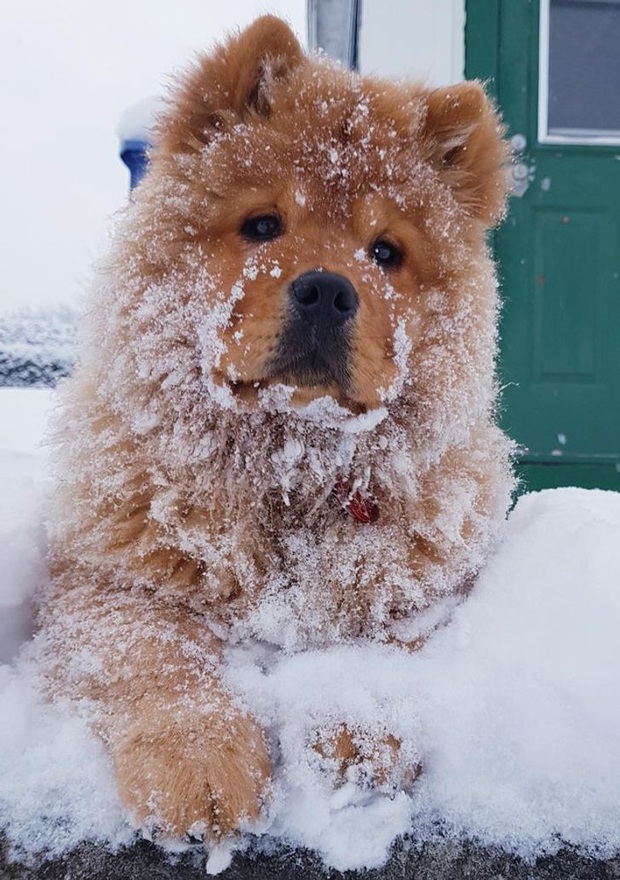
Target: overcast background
pixel 68 68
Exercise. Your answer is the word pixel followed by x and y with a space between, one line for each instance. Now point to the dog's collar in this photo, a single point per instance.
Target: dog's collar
pixel 363 508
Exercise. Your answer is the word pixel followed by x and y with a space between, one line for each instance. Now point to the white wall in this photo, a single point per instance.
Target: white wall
pixel 420 39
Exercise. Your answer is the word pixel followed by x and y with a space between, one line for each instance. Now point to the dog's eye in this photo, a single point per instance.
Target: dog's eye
pixel 264 227
pixel 386 254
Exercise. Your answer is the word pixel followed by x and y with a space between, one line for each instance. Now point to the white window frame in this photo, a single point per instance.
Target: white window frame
pixel 579 136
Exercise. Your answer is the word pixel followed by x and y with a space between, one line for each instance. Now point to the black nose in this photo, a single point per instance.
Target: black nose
pixel 324 296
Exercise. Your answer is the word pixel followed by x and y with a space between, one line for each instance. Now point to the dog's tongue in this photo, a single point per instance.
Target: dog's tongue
pixel 363 508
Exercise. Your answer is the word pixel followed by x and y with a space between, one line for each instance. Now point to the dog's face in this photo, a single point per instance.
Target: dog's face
pixel 330 210
pixel 328 267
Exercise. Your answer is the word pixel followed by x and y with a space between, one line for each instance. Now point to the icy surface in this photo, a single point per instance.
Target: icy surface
pixel 512 709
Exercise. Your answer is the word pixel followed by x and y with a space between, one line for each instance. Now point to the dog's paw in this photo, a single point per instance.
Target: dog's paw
pixel 210 779
pixel 367 758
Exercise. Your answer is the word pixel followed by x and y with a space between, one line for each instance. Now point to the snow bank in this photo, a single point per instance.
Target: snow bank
pixel 519 695
pixel 23 415
pixel 22 498
pixel 56 787
pixel 512 708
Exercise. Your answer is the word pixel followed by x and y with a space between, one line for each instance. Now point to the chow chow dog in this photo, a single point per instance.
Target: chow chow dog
pixel 281 427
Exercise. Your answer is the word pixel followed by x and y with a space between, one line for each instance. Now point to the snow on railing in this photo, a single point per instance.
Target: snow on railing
pixel 37 347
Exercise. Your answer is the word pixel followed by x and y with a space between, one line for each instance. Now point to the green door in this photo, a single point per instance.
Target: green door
pixel 554 66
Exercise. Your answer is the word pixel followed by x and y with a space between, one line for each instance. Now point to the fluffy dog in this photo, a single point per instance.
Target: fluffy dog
pixel 282 424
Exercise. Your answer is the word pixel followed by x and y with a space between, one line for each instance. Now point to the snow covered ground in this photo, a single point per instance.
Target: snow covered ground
pixel 513 708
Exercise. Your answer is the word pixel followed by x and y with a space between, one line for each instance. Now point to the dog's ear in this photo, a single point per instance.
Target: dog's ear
pixel 230 84
pixel 462 135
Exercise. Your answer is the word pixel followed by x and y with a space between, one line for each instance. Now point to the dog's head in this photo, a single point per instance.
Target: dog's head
pixel 327 219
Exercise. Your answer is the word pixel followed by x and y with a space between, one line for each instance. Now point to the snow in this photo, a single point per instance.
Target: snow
pixel 137 122
pixel 50 766
pixel 511 708
pixel 37 346
pixel 22 473
pixel 24 413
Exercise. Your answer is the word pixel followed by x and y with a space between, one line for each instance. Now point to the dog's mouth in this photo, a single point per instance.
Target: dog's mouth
pixel 312 371
pixel 303 392
pixel 303 361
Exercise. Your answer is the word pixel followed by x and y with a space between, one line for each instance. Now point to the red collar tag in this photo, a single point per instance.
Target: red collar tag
pixel 363 508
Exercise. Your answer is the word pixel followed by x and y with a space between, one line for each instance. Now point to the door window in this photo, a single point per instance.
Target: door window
pixel 579 89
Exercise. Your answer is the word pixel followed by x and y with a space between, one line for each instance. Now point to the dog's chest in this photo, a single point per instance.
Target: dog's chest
pixel 346 578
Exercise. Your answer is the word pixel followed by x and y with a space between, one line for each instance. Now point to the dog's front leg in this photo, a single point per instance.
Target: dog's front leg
pixel 187 757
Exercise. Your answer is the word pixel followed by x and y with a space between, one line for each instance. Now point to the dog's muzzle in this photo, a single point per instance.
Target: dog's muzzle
pixel 315 345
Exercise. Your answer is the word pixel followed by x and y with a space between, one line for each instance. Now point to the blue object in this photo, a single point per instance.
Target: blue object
pixel 134 154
